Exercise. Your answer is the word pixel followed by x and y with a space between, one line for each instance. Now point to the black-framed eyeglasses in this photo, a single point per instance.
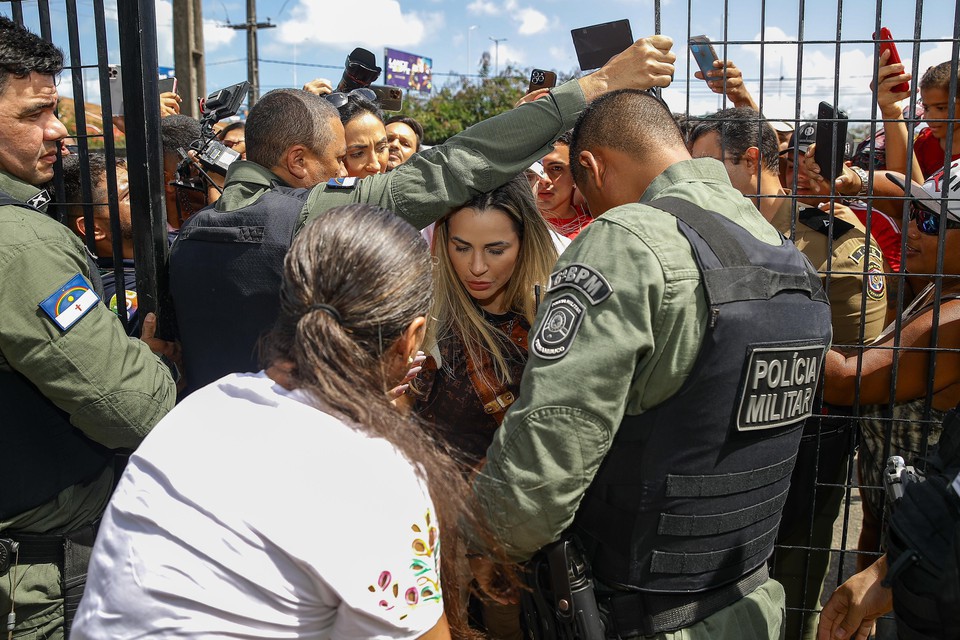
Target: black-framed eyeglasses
pixel 339 98
pixel 928 222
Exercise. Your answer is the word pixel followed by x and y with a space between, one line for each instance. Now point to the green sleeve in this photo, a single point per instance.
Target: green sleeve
pixel 554 438
pixel 112 386
pixel 475 161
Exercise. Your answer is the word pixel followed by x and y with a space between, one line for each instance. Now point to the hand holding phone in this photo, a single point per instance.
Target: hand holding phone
pixel 887 44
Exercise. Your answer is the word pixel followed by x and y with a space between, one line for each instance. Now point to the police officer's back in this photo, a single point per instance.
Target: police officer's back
pixel 658 420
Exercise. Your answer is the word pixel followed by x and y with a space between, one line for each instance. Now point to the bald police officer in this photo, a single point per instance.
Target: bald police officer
pixel 73 386
pixel 658 421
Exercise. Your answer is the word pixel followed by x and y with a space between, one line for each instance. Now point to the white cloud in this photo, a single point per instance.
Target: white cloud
pixel 483 8
pixel 509 55
pixel 215 35
pixel 164 10
pixel 337 24
pixel 531 21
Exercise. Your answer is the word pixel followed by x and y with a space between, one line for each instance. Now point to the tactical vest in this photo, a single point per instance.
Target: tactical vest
pixel 690 495
pixel 43 453
pixel 225 273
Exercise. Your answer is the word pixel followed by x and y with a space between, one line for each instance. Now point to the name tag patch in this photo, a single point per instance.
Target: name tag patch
pixel 779 386
pixel 584 279
pixel 69 303
pixel 558 328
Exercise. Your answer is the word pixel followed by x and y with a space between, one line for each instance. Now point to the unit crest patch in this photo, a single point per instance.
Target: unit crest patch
pixel 558 328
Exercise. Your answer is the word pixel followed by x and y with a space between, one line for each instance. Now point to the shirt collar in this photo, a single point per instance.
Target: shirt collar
pixel 693 170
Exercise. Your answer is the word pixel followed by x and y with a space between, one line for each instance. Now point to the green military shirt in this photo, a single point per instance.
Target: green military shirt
pixel 474 161
pixel 113 388
pixel 841 262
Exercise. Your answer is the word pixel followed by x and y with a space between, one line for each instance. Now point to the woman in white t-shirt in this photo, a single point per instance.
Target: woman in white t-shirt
pixel 283 504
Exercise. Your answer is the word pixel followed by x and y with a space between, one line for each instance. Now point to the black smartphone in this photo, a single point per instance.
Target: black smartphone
pixel 704 53
pixel 541 79
pixel 389 98
pixel 831 140
pixel 598 43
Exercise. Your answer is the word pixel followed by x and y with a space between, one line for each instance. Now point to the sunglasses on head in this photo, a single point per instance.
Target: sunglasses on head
pixel 339 98
pixel 928 222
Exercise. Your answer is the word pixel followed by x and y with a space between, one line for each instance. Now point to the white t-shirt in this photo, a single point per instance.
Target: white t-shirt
pixel 247 513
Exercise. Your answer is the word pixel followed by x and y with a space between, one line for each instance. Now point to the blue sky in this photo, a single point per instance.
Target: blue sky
pixel 456 34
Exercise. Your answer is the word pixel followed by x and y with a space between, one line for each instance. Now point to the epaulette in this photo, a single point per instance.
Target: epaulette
pixel 820 222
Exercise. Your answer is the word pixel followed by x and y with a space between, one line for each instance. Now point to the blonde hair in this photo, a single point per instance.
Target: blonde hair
pixel 455 313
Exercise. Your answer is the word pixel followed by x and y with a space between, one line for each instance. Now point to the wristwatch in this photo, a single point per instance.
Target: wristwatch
pixel 864 180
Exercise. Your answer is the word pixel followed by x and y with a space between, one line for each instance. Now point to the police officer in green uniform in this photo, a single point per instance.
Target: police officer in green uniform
pixel 851 270
pixel 73 385
pixel 658 419
pixel 294 142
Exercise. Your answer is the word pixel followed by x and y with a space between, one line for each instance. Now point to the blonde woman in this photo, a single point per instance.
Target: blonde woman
pixel 490 257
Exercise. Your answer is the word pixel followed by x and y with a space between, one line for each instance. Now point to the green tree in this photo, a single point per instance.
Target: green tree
pixel 465 102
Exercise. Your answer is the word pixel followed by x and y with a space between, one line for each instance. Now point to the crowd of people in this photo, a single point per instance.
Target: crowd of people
pixel 388 376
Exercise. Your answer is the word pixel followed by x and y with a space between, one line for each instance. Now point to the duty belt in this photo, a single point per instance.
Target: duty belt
pixel 37 548
pixel 646 614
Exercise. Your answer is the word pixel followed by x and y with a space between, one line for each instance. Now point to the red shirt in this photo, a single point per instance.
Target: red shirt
pixel 929 153
pixel 570 227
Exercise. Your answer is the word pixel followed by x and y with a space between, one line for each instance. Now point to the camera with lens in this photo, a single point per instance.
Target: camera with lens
pixel 360 70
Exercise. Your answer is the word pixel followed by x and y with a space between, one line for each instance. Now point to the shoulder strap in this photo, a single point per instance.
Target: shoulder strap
pixel 738 278
pixel 820 222
pixel 495 397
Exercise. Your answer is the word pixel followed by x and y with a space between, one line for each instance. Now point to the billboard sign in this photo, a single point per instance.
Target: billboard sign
pixel 408 71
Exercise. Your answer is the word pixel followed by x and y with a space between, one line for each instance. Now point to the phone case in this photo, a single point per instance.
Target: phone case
pixel 830 151
pixel 890 46
pixel 704 53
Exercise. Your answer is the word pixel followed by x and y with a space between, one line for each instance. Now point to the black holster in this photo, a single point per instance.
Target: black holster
pixel 561 603
pixel 77 548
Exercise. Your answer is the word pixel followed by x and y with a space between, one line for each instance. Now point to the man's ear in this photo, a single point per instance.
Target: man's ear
pixel 294 162
pixel 752 157
pixel 594 166
pixel 80 226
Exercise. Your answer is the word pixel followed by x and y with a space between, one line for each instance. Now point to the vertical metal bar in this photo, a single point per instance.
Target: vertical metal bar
pixel 109 151
pixel 80 116
pixel 141 101
pixel 689 75
pixel 43 8
pixel 17 8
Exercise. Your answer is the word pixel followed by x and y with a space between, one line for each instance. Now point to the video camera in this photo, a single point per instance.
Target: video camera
pixel 222 103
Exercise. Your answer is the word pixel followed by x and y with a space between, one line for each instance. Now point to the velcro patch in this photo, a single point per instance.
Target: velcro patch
pixel 342 183
pixel 779 385
pixel 584 279
pixel 69 303
pixel 558 328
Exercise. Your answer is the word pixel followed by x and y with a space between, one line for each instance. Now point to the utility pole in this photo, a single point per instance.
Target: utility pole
pixel 253 62
pixel 188 55
pixel 496 63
